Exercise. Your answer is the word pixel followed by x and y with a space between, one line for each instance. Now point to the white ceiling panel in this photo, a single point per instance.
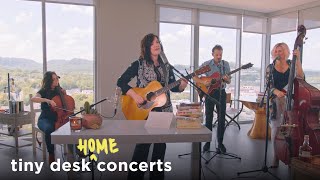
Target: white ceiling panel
pixel 262 6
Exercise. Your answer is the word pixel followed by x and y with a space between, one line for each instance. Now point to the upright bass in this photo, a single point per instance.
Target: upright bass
pixel 302 116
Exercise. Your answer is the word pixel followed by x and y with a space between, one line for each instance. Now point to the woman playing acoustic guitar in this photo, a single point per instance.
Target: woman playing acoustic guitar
pixel 47 118
pixel 149 67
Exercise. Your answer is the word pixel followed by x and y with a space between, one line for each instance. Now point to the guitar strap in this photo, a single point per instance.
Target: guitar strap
pixel 224 71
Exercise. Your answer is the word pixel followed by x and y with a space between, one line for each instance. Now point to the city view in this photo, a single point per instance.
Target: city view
pixel 79 81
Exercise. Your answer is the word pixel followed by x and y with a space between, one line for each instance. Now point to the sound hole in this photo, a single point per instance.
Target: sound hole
pixel 151 96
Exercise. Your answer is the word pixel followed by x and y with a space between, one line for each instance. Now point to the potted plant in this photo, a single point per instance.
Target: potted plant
pixel 91 119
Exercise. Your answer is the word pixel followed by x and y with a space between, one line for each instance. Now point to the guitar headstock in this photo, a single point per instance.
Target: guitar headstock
pixel 301 34
pixel 246 66
pixel 202 70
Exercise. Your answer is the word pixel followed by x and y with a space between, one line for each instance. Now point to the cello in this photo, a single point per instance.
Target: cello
pixel 65 107
pixel 300 117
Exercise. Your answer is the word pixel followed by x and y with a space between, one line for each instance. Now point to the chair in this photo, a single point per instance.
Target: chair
pixel 231 113
pixel 35 130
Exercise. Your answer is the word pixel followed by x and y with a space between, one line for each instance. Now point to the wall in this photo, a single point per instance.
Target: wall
pixel 121 24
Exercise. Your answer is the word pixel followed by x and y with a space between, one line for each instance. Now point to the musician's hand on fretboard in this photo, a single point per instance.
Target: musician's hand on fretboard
pixel 226 79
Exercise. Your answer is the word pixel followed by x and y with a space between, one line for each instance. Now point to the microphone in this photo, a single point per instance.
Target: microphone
pixel 275 59
pixel 116 99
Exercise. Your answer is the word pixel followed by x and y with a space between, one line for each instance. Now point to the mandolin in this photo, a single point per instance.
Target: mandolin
pixel 155 96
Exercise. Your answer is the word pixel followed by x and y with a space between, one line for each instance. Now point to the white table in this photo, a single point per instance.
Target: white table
pixel 128 132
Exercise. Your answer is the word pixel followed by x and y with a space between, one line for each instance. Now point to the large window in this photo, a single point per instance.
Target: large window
pixel 209 37
pixel 207 28
pixel 311 56
pixel 69 43
pixel 250 78
pixel 70 48
pixel 176 41
pixel 311 51
pixel 20 50
pixel 175 35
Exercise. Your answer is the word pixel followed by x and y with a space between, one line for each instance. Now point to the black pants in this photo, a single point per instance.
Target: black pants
pixel 209 113
pixel 140 154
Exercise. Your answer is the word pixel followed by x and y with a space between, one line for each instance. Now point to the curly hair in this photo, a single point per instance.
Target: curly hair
pixel 47 80
pixel 285 48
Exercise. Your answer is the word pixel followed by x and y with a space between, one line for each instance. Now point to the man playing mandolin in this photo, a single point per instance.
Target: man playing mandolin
pixel 222 67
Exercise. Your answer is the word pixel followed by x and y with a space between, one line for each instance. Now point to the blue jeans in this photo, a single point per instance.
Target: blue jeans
pixel 47 126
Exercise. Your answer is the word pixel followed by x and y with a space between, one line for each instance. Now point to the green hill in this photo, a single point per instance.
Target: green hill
pixel 64 66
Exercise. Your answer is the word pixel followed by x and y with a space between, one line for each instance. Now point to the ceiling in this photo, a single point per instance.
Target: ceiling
pixel 262 6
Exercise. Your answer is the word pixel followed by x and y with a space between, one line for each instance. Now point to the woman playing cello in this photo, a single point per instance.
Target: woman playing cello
pixel 50 88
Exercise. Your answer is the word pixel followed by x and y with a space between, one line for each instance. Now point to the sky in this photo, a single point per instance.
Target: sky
pixel 70 30
pixel 177 39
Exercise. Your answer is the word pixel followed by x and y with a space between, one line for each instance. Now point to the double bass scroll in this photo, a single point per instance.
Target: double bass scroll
pixel 297 45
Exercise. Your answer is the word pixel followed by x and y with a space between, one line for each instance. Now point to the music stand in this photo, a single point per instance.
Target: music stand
pixel 92 166
pixel 265 168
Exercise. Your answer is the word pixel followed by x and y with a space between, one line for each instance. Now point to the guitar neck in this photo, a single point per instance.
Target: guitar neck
pixel 167 88
pixel 234 71
pixel 172 85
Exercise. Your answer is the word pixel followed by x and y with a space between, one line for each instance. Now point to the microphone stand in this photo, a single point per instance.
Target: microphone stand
pixel 194 85
pixel 265 168
pixel 217 152
pixel 89 154
pixel 166 62
pixel 198 144
pixel 90 107
pixel 9 95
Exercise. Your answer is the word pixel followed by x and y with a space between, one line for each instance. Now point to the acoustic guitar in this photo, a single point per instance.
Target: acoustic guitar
pixel 215 80
pixel 154 95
